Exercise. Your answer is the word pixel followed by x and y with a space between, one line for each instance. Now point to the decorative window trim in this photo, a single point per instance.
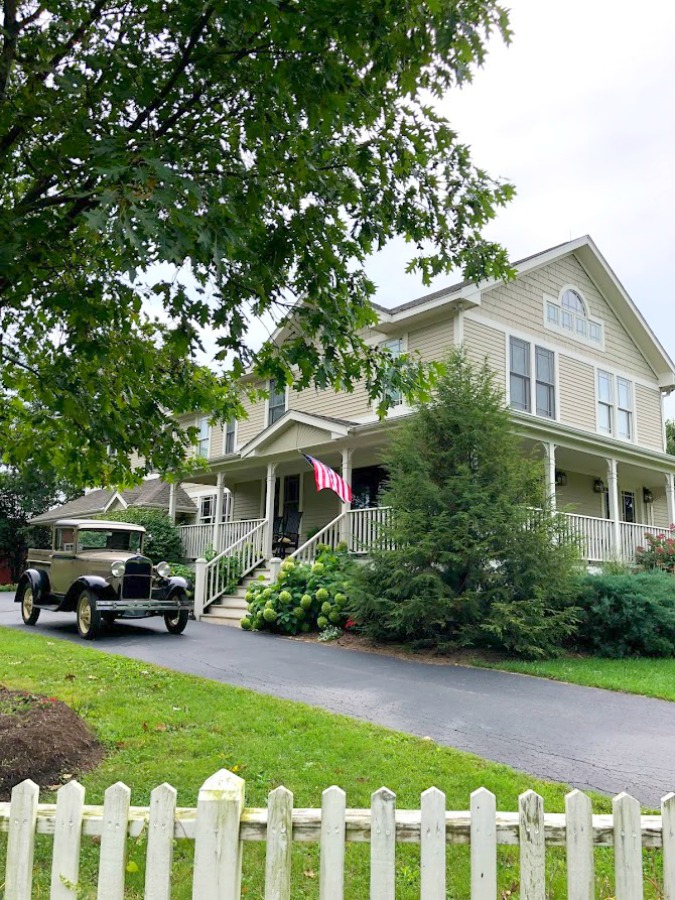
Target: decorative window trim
pixel 585 329
pixel 532 380
pixel 207 509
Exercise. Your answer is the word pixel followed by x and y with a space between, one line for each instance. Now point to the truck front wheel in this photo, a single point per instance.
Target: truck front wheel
pixel 88 616
pixel 29 612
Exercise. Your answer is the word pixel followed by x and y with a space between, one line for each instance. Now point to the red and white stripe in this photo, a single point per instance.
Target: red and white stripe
pixel 325 477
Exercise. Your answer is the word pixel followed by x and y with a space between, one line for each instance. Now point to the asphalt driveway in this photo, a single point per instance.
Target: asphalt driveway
pixel 589 738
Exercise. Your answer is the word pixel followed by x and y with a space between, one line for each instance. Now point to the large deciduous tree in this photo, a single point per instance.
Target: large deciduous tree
pixel 262 150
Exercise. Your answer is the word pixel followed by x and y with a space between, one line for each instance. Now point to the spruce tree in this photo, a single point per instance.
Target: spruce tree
pixel 481 558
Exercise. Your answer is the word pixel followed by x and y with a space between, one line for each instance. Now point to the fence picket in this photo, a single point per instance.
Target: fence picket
pixel 159 856
pixel 21 841
pixel 432 841
pixel 67 840
pixel 627 848
pixel 483 845
pixel 382 845
pixel 579 843
pixel 668 824
pixel 532 850
pixel 112 865
pixel 332 864
pixel 279 844
pixel 218 849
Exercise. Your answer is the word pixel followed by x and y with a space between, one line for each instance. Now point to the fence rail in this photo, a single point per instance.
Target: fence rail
pixel 366 529
pixel 221 825
pixel 330 535
pixel 238 559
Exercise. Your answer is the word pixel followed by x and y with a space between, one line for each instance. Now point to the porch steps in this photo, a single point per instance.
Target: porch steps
pixel 230 609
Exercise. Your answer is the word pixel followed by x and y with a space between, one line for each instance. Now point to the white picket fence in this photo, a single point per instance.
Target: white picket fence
pixel 221 825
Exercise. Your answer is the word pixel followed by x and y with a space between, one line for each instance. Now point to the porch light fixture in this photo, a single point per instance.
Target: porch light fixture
pixel 599 486
pixel 560 477
pixel 647 496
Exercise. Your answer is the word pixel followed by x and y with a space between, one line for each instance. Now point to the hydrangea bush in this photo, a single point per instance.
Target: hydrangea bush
pixel 305 597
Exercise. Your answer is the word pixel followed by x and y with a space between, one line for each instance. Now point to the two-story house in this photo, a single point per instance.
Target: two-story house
pixel 583 373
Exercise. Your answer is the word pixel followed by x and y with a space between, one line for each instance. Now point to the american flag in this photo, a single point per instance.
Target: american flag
pixel 325 477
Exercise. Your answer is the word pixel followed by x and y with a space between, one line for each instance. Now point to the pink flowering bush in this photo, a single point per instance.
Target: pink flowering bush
pixel 659 552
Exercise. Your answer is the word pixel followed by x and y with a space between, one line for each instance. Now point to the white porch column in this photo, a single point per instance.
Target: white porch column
pixel 345 530
pixel 218 528
pixel 172 502
pixel 549 448
pixel 670 496
pixel 269 508
pixel 613 491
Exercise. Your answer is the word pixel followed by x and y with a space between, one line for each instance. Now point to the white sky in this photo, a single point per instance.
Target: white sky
pixel 579 113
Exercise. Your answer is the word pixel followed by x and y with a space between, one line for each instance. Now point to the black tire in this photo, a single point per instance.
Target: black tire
pixel 29 613
pixel 176 622
pixel 88 616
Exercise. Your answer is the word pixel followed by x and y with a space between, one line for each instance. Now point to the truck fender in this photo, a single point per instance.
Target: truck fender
pixel 94 583
pixel 177 583
pixel 38 580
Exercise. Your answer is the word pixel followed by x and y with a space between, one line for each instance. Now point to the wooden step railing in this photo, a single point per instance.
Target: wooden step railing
pixel 237 560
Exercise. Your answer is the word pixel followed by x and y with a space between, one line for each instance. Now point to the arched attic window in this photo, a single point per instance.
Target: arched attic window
pixel 570 314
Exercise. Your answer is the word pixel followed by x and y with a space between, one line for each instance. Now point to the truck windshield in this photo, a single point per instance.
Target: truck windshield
pixel 102 539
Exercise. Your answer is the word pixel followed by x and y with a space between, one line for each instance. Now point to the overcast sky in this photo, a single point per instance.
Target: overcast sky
pixel 579 113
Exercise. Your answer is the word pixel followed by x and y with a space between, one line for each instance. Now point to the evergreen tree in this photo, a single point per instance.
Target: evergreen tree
pixel 481 559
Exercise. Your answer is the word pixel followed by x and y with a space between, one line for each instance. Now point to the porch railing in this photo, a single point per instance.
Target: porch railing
pixel 365 529
pixel 595 536
pixel 198 538
pixel 330 534
pixel 632 536
pixel 236 561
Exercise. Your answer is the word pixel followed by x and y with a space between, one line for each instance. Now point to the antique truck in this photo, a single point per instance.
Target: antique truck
pixel 97 570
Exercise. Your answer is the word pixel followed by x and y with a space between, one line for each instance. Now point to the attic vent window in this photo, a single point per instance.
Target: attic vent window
pixel 568 315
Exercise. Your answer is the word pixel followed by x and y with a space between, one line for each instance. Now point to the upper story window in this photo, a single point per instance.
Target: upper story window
pixel 277 403
pixel 203 438
pixel 395 347
pixel 521 376
pixel 615 405
pixel 230 428
pixel 569 314
pixel 207 510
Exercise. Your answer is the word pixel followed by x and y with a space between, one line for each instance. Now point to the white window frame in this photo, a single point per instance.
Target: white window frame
pixel 205 519
pixel 554 313
pixel 235 425
pixel 202 424
pixel 267 403
pixel 533 345
pixel 400 406
pixel 614 408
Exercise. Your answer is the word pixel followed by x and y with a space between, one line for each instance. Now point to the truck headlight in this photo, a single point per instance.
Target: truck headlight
pixel 117 569
pixel 163 569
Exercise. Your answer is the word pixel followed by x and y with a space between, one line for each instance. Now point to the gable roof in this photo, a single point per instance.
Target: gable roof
pixel 332 427
pixel 153 494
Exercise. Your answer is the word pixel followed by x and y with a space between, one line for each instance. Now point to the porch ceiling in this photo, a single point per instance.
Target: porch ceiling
pixel 595 466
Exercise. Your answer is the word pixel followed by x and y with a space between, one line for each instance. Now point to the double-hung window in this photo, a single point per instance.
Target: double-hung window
pixel 615 405
pixel 521 376
pixel 229 435
pixel 207 510
pixel 202 446
pixel 277 404
pixel 395 347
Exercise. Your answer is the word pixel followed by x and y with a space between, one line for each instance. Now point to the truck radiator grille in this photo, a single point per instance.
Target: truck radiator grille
pixel 137 581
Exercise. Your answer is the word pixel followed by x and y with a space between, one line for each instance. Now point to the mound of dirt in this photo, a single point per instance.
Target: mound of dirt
pixel 43 739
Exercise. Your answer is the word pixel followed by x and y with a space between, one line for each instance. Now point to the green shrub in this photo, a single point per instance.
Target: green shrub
pixel 305 597
pixel 162 538
pixel 659 552
pixel 7 587
pixel 628 615
pixel 187 573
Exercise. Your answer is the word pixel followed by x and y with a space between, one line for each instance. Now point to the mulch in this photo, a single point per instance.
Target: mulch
pixel 43 739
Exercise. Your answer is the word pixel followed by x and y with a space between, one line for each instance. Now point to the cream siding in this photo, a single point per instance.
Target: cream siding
pixel 648 414
pixel 659 516
pixel 433 341
pixel 318 507
pixel 520 305
pixel 216 443
pixel 576 390
pixel 484 343
pixel 247 500
pixel 578 496
pixel 253 424
pixel 328 402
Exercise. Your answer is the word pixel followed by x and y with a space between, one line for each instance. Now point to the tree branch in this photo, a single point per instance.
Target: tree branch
pixel 8 54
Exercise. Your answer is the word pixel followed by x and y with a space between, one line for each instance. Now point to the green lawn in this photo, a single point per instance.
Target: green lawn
pixel 162 726
pixel 651 677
